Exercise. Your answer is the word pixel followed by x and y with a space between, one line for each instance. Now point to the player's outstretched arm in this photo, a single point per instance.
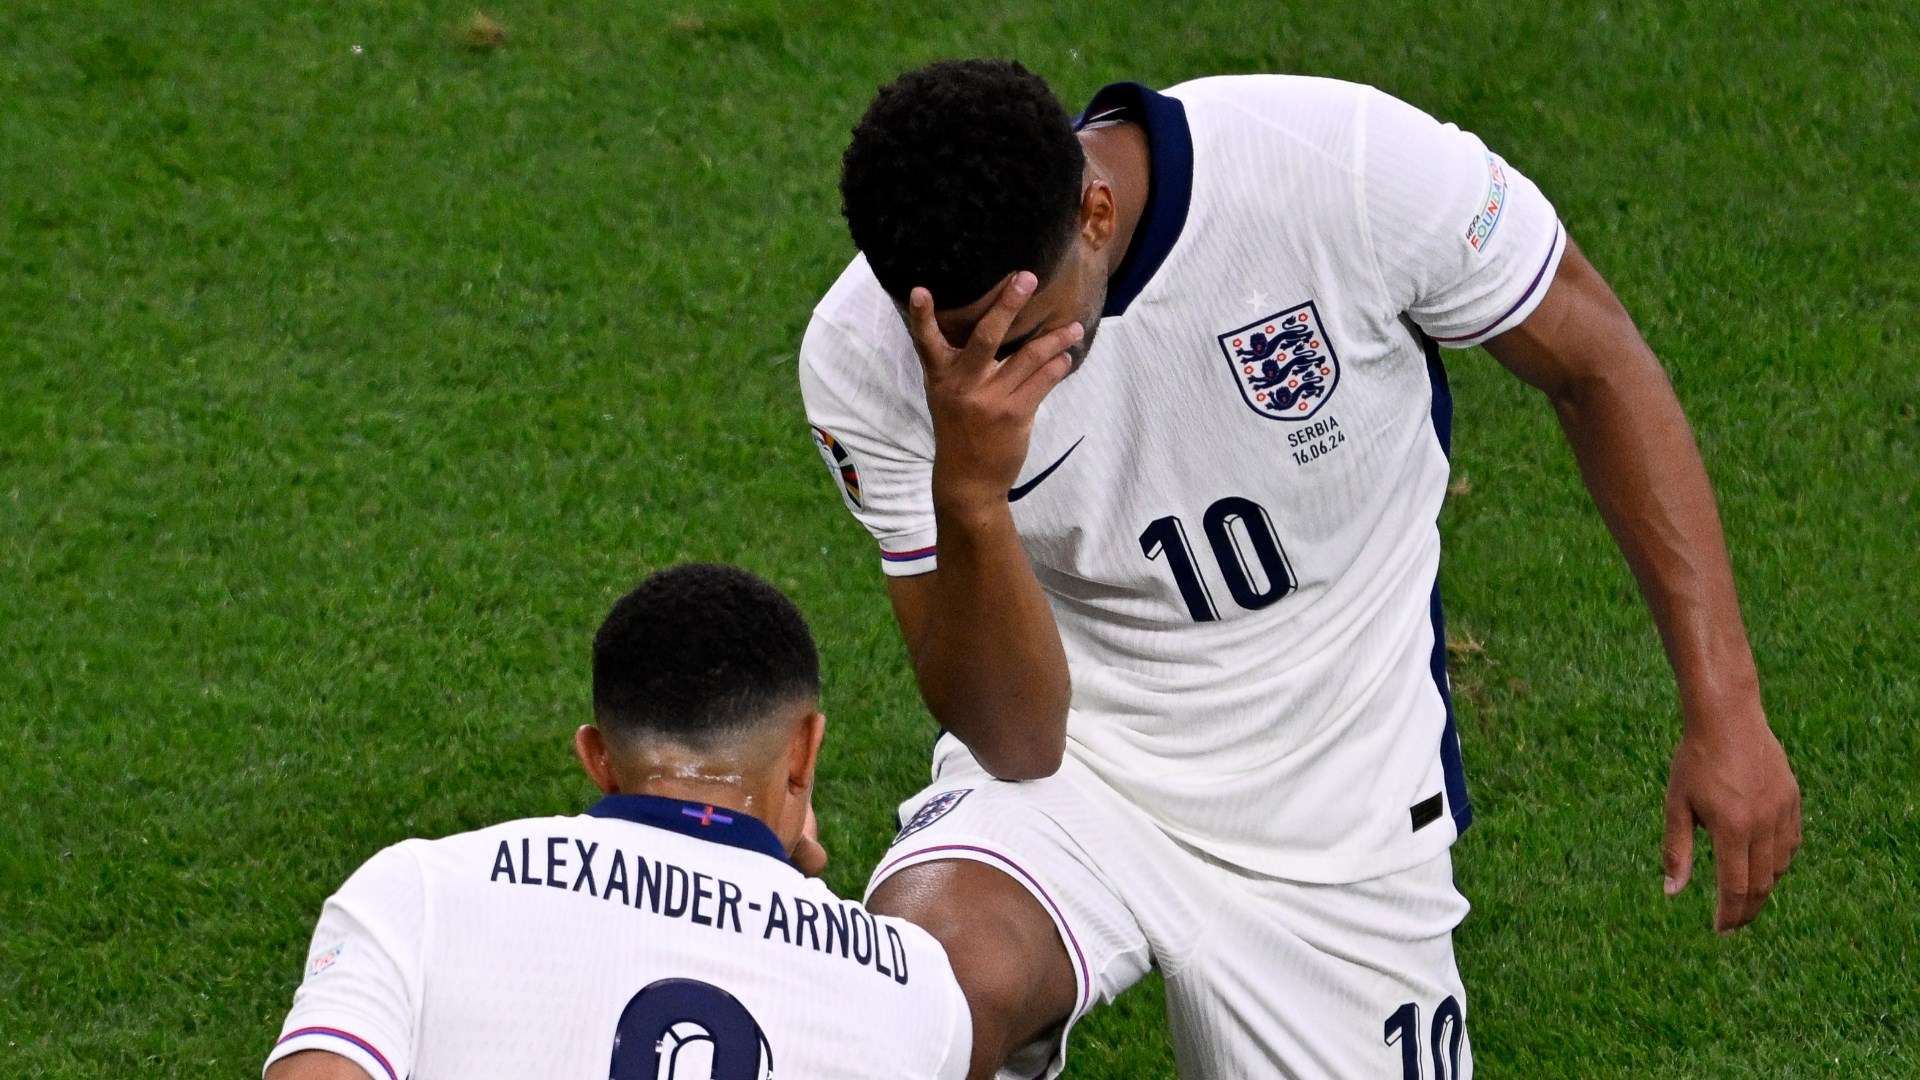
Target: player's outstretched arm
pixel 1638 458
pixel 982 639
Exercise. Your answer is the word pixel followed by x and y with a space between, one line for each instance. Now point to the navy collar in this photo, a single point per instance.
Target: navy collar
pixel 1169 182
pixel 702 821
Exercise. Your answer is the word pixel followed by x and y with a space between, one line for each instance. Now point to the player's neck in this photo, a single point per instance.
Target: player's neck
pixel 719 783
pixel 730 796
pixel 1120 155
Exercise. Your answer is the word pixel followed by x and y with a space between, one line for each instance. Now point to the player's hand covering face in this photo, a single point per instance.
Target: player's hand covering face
pixel 983 405
pixel 808 855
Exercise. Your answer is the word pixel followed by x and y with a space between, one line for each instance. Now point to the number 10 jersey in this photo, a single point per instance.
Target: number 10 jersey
pixel 1232 504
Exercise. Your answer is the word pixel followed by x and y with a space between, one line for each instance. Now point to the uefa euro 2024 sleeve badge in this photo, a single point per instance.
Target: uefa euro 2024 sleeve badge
pixel 1284 363
pixel 845 475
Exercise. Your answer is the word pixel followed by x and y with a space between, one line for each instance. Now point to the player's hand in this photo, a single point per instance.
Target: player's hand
pixel 808 856
pixel 983 407
pixel 1738 786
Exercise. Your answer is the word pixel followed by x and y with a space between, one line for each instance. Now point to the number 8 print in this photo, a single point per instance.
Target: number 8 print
pixel 683 1029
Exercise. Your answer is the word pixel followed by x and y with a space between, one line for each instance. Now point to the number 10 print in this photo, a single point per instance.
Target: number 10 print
pixel 1251 562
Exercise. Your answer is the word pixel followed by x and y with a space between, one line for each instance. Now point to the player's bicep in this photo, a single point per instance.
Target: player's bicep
pixel 1464 243
pixel 1578 333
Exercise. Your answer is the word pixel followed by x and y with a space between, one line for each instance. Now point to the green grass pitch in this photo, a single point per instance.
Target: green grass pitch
pixel 349 372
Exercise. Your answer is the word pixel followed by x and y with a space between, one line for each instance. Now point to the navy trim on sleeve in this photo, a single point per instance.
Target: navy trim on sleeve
pixel 1169 183
pixel 1532 287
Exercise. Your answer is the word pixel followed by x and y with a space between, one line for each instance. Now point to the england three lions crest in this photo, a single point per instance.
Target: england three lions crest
pixel 1284 363
pixel 931 811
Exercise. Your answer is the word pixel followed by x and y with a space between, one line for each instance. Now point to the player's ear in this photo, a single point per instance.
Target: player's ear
pixel 1098 214
pixel 803 754
pixel 590 746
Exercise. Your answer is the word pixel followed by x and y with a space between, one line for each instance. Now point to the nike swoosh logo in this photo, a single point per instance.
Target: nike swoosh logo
pixel 1014 495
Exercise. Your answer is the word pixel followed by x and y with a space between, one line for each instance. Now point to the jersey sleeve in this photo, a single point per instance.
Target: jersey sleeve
pixel 872 447
pixel 950 1037
pixel 361 995
pixel 1463 243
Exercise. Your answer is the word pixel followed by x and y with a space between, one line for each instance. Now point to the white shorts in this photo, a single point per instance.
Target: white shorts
pixel 1264 977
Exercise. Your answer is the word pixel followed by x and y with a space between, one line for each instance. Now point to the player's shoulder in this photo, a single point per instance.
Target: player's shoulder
pixel 856 354
pixel 488 834
pixel 453 851
pixel 1303 105
pixel 854 322
pixel 1309 91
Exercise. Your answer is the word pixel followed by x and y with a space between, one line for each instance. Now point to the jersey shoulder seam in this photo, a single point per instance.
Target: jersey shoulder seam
pixel 1292 136
pixel 831 382
pixel 1355 168
pixel 847 335
pixel 1361 130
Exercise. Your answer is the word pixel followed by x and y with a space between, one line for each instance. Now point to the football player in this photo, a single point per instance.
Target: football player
pixel 1184 581
pixel 669 932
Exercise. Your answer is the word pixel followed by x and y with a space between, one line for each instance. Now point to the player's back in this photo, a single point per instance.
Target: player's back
pixel 666 938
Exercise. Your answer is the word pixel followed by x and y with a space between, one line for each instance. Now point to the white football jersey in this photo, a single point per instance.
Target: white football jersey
pixel 1232 504
pixel 648 938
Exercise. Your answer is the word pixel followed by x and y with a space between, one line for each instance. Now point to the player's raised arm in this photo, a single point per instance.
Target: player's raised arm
pixel 998 299
pixel 1638 457
pixel 984 645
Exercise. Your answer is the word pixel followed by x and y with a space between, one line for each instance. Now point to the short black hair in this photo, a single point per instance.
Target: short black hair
pixel 698 653
pixel 960 173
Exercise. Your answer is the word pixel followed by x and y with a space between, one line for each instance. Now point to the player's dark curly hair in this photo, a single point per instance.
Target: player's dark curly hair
pixel 699 652
pixel 960 173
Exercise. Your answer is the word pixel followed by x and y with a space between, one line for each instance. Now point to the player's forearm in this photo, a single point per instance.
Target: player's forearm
pixel 989 659
pixel 1638 456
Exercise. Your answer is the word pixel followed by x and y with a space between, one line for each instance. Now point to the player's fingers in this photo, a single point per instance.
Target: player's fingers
pixel 1790 830
pixel 1763 869
pixel 1029 394
pixel 1676 848
pixel 1730 872
pixel 928 339
pixel 984 344
pixel 809 857
pixel 1036 354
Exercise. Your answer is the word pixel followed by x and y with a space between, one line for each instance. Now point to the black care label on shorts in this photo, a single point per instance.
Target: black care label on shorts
pixel 1426 811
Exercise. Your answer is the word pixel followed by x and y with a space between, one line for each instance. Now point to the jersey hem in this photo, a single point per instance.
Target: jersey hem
pixel 909 563
pixel 1325 869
